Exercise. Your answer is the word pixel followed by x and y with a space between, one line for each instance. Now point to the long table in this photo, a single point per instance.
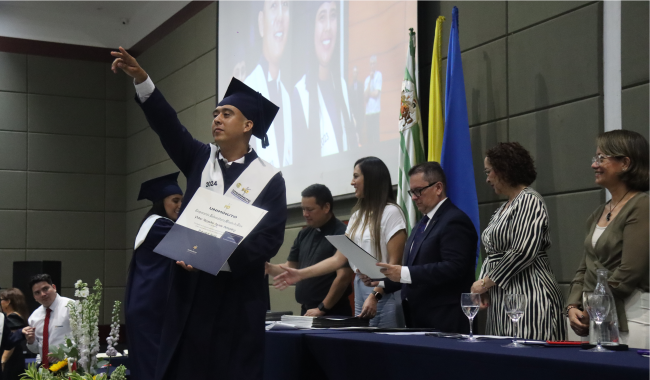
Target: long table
pixel 335 354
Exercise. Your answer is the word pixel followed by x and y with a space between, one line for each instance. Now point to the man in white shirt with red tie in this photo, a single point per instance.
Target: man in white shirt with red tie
pixel 50 323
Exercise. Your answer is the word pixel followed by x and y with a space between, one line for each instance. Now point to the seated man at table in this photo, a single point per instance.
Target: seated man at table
pixel 50 323
pixel 439 256
pixel 322 295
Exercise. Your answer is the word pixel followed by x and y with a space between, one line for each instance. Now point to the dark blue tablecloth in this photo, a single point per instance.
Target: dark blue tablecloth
pixel 287 356
pixel 357 355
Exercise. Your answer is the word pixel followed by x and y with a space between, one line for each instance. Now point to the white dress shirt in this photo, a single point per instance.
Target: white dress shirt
pixel 406 274
pixel 144 89
pixel 59 326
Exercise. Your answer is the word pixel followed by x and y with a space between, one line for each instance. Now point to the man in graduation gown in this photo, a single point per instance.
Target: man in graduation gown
pixel 214 325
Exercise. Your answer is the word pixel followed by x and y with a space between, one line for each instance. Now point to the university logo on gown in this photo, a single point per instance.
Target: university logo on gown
pixel 244 190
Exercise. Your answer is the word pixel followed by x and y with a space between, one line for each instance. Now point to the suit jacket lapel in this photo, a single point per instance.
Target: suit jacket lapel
pixel 432 224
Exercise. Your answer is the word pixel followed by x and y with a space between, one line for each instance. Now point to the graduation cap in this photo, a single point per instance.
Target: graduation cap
pixel 159 188
pixel 253 105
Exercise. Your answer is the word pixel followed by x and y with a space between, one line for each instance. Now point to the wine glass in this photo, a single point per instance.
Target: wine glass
pixel 598 307
pixel 470 302
pixel 515 305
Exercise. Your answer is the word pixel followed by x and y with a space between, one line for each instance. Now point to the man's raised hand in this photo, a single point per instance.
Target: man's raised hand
pixel 125 62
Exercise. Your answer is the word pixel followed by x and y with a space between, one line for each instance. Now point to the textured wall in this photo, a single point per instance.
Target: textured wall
pixel 62 170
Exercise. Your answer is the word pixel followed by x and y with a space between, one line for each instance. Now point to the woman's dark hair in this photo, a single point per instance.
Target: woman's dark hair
pixel 377 193
pixel 158 208
pixel 17 300
pixel 311 82
pixel 512 163
pixel 623 143
pixel 321 193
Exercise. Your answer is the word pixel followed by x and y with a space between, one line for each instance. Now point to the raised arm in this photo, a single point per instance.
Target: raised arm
pixel 125 62
pixel 182 148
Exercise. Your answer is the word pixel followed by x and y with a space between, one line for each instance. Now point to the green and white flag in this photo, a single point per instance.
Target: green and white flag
pixel 410 130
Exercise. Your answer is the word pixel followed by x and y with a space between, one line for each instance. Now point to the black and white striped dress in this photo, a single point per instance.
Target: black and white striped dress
pixel 516 241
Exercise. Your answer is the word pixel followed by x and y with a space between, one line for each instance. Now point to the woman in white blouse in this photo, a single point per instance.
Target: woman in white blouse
pixel 379 227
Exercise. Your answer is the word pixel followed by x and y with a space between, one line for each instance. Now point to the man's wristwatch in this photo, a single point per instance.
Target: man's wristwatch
pixel 322 308
pixel 377 295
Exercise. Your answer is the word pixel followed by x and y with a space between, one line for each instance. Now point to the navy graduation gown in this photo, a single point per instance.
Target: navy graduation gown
pixel 147 289
pixel 214 325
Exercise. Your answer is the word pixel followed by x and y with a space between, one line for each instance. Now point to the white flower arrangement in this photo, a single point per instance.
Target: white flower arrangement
pixel 114 336
pixel 84 317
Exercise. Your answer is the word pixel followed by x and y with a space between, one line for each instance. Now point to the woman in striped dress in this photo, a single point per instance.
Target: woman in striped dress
pixel 516 240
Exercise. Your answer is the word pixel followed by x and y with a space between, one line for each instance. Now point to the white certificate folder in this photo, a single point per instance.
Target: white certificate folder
pixel 209 230
pixel 365 262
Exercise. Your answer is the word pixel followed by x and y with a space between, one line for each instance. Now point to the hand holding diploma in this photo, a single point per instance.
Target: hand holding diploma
pixel 367 281
pixel 188 268
pixel 392 272
pixel 208 232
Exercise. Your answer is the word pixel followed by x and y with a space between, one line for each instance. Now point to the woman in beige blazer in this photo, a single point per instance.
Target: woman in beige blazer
pixel 617 237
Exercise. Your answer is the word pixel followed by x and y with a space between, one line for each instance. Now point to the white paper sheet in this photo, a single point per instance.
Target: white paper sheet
pixel 214 214
pixel 364 261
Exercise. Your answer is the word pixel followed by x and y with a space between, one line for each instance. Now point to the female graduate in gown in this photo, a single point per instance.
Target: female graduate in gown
pixel 149 276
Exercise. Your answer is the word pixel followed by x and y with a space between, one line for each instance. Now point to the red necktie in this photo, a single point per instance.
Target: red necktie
pixel 46 337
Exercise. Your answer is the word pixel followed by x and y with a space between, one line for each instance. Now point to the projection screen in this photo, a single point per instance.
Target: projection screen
pixel 334 68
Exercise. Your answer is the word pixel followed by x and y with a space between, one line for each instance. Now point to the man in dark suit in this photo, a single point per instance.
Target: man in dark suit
pixel 439 256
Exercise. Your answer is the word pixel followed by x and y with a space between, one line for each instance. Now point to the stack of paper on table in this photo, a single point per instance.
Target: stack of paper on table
pixel 276 315
pixel 324 322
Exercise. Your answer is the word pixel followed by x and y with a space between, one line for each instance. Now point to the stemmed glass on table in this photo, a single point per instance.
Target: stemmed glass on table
pixel 515 305
pixel 598 307
pixel 470 302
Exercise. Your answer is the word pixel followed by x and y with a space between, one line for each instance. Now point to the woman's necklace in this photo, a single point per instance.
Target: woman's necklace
pixel 609 214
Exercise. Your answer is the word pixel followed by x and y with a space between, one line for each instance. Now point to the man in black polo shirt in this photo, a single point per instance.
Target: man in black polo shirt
pixel 324 294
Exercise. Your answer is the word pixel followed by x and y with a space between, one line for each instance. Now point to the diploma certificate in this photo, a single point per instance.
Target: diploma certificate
pixel 357 256
pixel 209 230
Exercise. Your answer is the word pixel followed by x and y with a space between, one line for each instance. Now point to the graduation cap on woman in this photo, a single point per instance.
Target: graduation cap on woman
pixel 253 106
pixel 160 188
